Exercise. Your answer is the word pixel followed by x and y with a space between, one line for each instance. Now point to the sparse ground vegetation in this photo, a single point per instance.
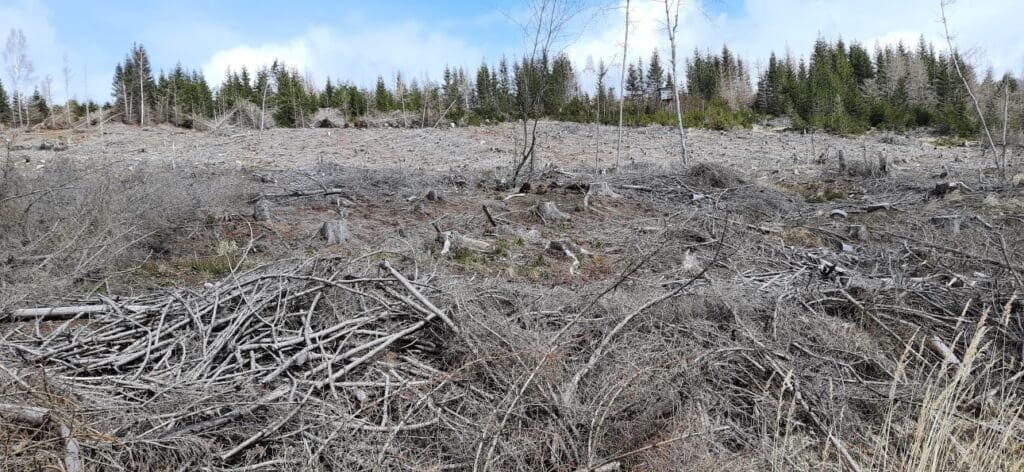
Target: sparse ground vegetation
pixel 786 302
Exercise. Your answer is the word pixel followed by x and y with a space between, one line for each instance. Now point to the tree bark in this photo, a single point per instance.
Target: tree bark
pixel 967 85
pixel 672 23
pixel 622 91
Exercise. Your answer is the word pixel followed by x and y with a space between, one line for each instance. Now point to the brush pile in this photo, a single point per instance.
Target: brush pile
pixel 282 352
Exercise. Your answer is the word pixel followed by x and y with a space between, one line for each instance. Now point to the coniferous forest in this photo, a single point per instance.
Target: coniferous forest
pixel 841 87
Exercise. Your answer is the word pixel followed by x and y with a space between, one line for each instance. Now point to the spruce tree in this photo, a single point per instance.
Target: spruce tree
pixel 5 107
pixel 634 82
pixel 382 97
pixel 655 75
pixel 484 91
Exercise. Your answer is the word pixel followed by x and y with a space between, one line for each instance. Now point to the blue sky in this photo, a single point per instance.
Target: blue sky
pixel 360 40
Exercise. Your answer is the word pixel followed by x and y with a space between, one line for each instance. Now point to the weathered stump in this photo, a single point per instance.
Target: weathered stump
pixel 547 211
pixel 859 232
pixel 950 223
pixel 261 211
pixel 334 231
pixel 601 189
pixel 435 196
pixel 571 250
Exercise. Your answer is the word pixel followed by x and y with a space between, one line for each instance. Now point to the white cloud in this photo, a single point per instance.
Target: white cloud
pixel 989 28
pixel 359 55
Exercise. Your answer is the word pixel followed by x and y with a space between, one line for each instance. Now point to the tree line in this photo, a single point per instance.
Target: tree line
pixel 840 88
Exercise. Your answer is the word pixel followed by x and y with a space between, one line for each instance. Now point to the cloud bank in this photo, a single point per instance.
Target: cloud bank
pixel 989 29
pixel 355 55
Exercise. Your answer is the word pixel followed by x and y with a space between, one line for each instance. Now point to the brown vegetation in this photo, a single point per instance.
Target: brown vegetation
pixel 756 310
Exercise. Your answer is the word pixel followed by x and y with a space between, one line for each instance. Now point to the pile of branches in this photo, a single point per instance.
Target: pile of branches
pixel 269 365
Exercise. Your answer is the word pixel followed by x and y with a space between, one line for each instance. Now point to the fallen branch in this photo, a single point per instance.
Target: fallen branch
pixel 36 416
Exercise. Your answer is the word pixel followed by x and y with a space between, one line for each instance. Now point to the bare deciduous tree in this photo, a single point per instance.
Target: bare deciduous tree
pixel 85 82
pixel 400 91
pixel 622 87
pixel 67 94
pixel 671 27
pixel 546 27
pixel 19 67
pixel 46 88
pixel 974 97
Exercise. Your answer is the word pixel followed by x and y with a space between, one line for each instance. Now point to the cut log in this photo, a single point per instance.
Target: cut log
pixel 878 207
pixel 837 213
pixel 547 211
pixel 36 416
pixel 334 231
pixel 67 312
pixel 261 211
pixel 507 230
pixel 940 348
pixel 452 240
pixel 950 223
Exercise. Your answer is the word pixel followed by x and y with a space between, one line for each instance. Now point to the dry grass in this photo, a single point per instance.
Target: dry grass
pixel 725 332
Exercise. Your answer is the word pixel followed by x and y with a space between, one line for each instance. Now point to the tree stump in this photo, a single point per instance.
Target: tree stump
pixel 859 232
pixel 547 211
pixel 261 211
pixel 950 223
pixel 334 231
pixel 601 189
pixel 571 250
pixel 942 189
pixel 598 190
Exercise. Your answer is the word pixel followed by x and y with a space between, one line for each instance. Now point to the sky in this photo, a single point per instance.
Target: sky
pixel 357 41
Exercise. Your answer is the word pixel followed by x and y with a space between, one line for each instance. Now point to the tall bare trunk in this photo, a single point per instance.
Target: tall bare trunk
pixel 142 102
pixel 622 90
pixel 88 119
pixel 1006 116
pixel 967 85
pixel 672 23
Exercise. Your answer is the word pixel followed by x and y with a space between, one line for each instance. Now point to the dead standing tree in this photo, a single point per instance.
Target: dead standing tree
pixel 671 27
pixel 954 56
pixel 20 69
pixel 622 84
pixel 545 27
